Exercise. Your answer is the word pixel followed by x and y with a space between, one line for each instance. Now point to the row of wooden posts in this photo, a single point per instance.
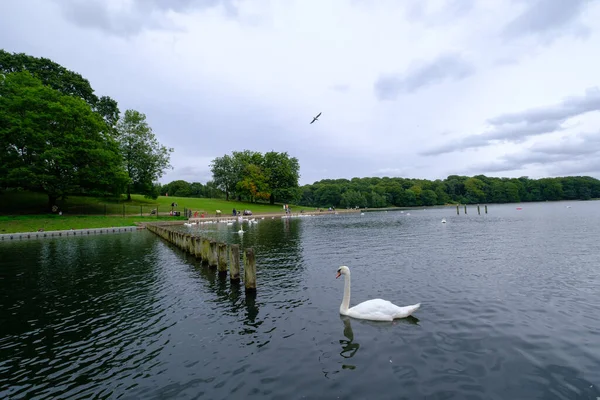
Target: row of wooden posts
pixel 478 209
pixel 212 253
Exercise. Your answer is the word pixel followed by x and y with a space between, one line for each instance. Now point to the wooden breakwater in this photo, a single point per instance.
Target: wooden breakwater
pixel 465 206
pixel 221 256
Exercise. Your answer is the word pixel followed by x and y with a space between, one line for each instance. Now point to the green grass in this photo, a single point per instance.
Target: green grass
pixel 22 202
pixel 32 223
pixel 22 211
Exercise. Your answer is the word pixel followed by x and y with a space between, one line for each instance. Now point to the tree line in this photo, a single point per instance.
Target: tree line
pixel 181 188
pixel 402 192
pixel 58 137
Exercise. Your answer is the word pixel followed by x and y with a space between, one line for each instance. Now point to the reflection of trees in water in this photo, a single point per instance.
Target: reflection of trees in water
pixel 69 273
pixel 77 297
pixel 277 244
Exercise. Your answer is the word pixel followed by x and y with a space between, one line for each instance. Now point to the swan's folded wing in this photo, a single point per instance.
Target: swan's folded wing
pixel 405 311
pixel 381 310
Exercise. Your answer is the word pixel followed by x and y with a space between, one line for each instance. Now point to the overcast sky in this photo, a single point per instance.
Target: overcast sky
pixel 411 88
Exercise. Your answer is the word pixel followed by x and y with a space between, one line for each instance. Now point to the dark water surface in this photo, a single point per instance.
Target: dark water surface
pixel 510 310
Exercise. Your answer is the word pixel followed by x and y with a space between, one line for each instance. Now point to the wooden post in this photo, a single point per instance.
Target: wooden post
pixel 190 244
pixel 123 209
pixel 486 208
pixel 249 270
pixel 198 247
pixel 465 208
pixel 141 214
pixel 457 211
pixel 234 262
pixel 205 251
pixel 212 257
pixel 222 258
pixel 478 211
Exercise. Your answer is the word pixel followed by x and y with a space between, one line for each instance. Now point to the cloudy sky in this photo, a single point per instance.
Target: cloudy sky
pixel 412 88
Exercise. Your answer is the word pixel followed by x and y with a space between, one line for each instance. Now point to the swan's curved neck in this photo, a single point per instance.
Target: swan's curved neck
pixel 346 300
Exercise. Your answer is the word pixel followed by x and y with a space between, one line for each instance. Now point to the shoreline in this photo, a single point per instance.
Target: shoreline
pixel 67 232
pixel 142 225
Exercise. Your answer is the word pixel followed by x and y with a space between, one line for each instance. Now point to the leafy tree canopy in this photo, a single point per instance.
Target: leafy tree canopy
pixel 53 142
pixel 145 159
pixel 61 79
pixel 255 176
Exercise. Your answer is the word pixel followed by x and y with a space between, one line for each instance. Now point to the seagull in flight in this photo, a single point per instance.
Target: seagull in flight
pixel 315 118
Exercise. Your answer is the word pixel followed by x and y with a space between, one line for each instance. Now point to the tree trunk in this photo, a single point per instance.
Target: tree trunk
pixel 51 201
pixel 227 196
pixel 272 199
pixel 128 192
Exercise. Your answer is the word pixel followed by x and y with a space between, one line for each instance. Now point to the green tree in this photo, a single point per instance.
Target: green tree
pixel 254 185
pixel 474 190
pixel 145 159
pixel 54 143
pixel 282 173
pixel 352 198
pixel 178 188
pixel 428 197
pixel 60 78
pixel 225 175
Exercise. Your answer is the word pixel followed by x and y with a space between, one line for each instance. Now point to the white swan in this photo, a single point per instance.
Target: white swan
pixel 375 309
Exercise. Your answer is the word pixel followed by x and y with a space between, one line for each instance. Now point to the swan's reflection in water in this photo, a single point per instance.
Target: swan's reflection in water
pixel 350 347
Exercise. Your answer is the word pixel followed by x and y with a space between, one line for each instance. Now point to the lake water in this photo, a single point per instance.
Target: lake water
pixel 510 310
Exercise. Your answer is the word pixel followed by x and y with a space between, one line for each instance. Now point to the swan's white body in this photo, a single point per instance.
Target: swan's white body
pixel 375 309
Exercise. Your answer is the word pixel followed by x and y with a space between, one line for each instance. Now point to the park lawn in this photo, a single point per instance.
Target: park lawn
pixel 32 223
pixel 24 202
pixel 23 211
pixel 208 205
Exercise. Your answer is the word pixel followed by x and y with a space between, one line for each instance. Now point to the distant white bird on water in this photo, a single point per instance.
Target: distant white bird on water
pixel 443 220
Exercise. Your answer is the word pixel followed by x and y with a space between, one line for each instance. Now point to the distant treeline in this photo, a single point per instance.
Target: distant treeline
pixel 402 192
pixel 181 188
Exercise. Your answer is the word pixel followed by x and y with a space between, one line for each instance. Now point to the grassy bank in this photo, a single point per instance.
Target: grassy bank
pixel 19 203
pixel 32 223
pixel 27 211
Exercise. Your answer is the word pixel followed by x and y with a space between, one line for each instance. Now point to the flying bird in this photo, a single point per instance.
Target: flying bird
pixel 316 118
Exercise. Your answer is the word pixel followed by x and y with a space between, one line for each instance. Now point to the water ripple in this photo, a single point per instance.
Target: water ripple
pixel 508 311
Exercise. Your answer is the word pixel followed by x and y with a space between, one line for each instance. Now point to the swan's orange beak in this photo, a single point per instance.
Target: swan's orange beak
pixel 338 275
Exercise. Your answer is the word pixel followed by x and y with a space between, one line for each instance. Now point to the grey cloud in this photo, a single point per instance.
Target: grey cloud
pixel 416 10
pixel 516 127
pixel 547 18
pixel 504 133
pixel 340 88
pixel 582 151
pixel 142 14
pixel 449 66
pixel 589 166
pixel 584 145
pixel 569 107
pixel 189 174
